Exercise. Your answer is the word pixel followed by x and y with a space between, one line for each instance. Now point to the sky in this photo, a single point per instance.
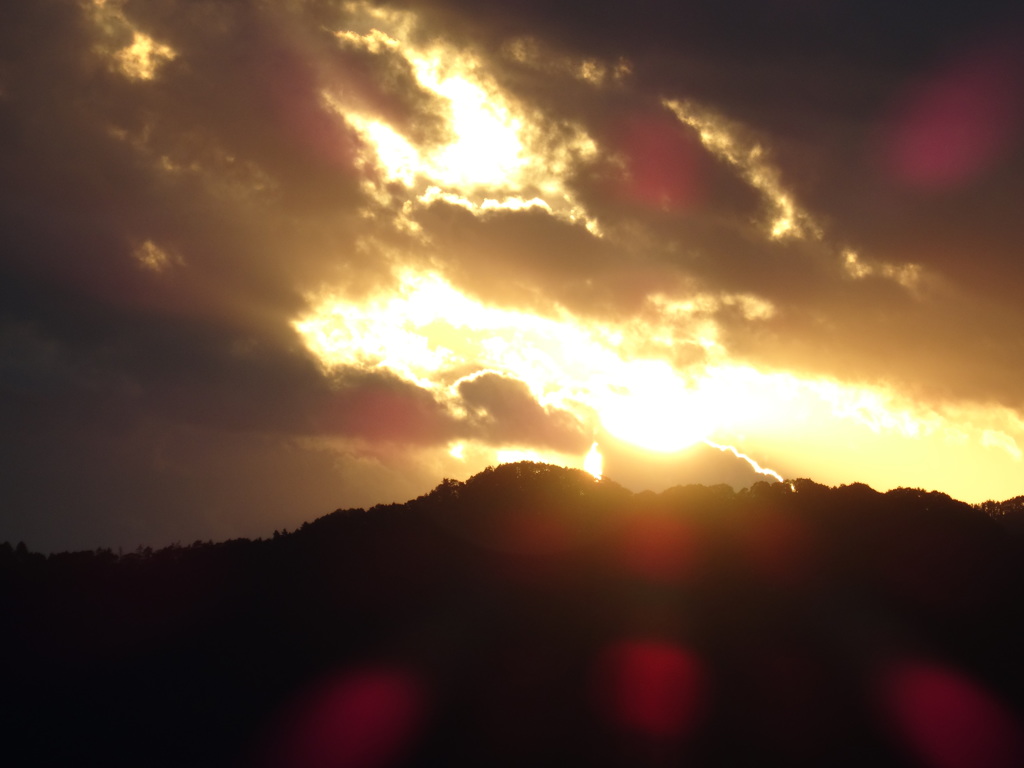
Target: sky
pixel 262 260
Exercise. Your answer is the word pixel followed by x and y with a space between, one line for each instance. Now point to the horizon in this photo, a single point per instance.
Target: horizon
pixel 123 548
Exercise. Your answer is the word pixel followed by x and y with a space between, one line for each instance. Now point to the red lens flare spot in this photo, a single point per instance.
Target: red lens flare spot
pixel 651 687
pixel 659 548
pixel 382 415
pixel 957 124
pixel 948 721
pixel 362 719
pixel 663 164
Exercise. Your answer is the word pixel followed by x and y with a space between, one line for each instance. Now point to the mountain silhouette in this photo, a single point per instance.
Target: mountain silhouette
pixel 534 616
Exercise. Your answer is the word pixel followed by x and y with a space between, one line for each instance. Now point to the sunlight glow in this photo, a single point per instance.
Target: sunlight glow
pixel 495 146
pixel 651 407
pixel 724 141
pixel 513 455
pixel 425 331
pixel 615 378
pixel 154 258
pixel 993 438
pixel 140 59
pixel 486 148
pixel 532 53
pixel 907 275
pixel 753 464
pixel 593 462
pixel 659 379
pixel 511 203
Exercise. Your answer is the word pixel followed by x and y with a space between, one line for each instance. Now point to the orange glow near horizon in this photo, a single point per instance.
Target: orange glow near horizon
pixel 617 378
pixel 426 330
pixel 428 333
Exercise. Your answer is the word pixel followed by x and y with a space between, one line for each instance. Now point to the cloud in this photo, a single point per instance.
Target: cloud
pixel 505 412
pixel 382 408
pixel 358 234
pixel 526 257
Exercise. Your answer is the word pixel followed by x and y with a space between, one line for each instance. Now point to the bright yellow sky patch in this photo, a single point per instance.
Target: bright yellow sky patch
pixel 616 378
pixel 429 333
pixel 496 147
pixel 140 59
pixel 593 462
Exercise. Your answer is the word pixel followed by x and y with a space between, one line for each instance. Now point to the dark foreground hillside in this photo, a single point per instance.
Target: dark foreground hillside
pixel 534 617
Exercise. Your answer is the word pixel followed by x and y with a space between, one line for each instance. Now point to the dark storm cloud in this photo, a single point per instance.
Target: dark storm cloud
pixel 758 60
pixel 97 164
pixel 176 430
pixel 504 412
pixel 531 259
pixel 381 407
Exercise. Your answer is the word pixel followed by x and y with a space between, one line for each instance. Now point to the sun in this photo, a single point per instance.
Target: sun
pixel 651 407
